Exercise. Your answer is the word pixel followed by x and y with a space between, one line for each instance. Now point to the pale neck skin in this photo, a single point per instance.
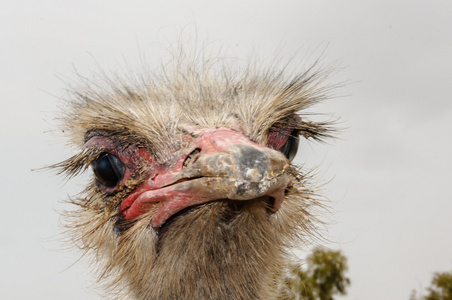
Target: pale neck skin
pixel 213 259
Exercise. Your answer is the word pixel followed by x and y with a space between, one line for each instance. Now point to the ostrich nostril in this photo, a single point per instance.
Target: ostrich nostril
pixel 192 157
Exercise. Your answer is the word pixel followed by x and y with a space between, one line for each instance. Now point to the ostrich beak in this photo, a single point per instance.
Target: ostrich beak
pixel 226 165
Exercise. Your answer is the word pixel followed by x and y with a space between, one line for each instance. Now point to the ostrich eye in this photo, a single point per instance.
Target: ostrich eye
pixel 290 147
pixel 109 169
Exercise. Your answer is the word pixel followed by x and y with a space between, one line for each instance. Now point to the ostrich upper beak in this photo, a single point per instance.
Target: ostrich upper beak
pixel 226 166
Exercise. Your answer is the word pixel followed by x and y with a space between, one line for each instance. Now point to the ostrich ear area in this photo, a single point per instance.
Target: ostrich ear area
pixel 245 171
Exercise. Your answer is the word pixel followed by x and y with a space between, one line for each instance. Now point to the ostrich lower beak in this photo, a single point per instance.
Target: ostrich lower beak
pixel 245 171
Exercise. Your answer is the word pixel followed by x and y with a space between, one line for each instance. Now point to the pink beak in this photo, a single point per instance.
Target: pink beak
pixel 220 164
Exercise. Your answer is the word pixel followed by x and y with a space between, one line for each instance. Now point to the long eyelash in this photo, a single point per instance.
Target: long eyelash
pixel 78 163
pixel 319 131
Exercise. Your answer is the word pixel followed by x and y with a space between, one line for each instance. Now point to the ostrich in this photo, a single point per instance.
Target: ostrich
pixel 194 194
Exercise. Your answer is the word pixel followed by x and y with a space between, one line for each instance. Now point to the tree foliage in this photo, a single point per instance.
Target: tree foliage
pixel 440 289
pixel 321 278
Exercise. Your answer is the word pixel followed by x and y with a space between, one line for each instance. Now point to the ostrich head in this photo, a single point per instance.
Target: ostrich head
pixel 193 195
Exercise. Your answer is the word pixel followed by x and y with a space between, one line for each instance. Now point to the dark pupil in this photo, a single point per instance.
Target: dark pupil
pixel 109 169
pixel 290 148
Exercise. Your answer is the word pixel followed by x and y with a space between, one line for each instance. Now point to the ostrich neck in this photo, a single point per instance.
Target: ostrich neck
pixel 201 257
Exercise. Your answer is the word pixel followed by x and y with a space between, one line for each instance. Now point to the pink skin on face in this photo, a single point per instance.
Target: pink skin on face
pixel 229 166
pixel 213 176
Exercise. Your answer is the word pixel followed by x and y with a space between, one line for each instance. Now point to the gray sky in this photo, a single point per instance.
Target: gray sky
pixel 390 168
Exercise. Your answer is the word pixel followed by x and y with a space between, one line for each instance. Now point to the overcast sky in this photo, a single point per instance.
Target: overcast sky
pixel 390 168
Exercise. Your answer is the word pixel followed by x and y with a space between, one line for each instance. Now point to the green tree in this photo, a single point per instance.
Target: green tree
pixel 322 277
pixel 440 289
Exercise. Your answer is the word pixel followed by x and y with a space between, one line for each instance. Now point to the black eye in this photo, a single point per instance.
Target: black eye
pixel 109 169
pixel 290 148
